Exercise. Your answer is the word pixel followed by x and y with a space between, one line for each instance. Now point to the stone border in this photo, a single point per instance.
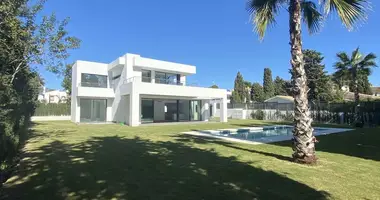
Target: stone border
pixel 264 140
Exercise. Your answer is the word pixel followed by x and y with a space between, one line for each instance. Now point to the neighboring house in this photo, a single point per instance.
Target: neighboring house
pixel 229 95
pixel 135 90
pixel 350 96
pixel 52 96
pixel 375 91
pixel 280 99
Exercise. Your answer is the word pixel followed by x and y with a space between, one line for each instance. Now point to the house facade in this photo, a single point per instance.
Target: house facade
pixel 136 90
pixel 52 96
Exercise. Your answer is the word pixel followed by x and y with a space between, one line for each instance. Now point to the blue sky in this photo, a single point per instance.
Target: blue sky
pixel 214 35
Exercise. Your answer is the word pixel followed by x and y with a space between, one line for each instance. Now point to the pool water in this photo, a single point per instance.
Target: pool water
pixel 249 134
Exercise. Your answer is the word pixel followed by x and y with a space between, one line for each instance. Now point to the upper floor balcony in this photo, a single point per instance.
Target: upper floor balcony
pixel 169 88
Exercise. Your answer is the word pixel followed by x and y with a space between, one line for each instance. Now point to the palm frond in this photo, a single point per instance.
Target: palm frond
pixel 343 57
pixel 356 57
pixel 368 64
pixel 311 16
pixel 369 60
pixel 349 11
pixel 340 66
pixel 263 13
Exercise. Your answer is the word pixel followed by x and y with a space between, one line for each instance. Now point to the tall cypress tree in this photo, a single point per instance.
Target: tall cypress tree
pixel 280 86
pixel 268 83
pixel 257 93
pixel 239 93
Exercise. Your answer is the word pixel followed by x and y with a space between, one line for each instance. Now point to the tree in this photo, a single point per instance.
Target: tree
pixel 268 83
pixel 257 93
pixel 317 77
pixel 358 65
pixel 66 82
pixel 214 86
pixel 364 86
pixel 263 13
pixel 279 86
pixel 25 43
pixel 240 92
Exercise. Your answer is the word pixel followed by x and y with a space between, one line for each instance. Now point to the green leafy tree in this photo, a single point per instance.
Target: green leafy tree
pixel 354 67
pixel 257 93
pixel 280 86
pixel 25 44
pixel 268 83
pixel 364 86
pixel 263 13
pixel 317 77
pixel 214 86
pixel 240 92
pixel 66 82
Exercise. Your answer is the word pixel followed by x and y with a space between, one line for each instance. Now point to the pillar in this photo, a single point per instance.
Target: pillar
pixel 223 110
pixel 134 108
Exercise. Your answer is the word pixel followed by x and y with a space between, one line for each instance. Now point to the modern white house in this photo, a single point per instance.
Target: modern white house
pixel 136 90
pixel 52 96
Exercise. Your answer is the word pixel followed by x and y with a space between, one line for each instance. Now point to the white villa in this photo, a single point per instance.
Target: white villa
pixel 52 96
pixel 136 90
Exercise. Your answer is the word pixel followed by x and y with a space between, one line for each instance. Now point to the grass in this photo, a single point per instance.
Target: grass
pixel 66 161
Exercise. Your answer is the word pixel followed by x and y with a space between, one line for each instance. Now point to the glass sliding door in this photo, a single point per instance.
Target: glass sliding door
pixel 147 110
pixel 195 110
pixel 93 110
pixel 184 110
pixel 170 110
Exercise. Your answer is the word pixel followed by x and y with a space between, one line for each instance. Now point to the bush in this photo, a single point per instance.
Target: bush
pixel 259 114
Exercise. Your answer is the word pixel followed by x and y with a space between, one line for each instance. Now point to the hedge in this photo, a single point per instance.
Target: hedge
pixel 52 109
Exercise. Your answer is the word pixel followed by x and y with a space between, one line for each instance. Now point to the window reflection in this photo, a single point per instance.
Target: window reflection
pixel 94 80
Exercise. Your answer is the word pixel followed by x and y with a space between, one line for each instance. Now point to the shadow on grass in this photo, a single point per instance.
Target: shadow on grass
pixel 361 143
pixel 205 140
pixel 114 167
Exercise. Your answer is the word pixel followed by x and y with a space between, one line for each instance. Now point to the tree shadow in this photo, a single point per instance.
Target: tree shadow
pixel 362 143
pixel 205 140
pixel 114 167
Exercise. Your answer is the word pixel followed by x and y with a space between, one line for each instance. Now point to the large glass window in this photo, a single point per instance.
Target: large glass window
pixel 166 78
pixel 93 110
pixel 146 76
pixel 168 110
pixel 94 80
pixel 147 110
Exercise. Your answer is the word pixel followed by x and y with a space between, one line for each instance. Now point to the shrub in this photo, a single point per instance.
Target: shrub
pixel 259 114
pixel 52 109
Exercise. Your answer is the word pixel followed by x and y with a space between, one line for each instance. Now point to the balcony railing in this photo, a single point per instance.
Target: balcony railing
pixel 157 81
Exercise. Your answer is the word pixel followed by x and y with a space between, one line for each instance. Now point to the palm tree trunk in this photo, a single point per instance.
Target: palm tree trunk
pixel 303 140
pixel 357 96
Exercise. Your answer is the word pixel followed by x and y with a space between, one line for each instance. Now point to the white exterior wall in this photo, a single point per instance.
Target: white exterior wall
pixel 124 96
pixel 74 91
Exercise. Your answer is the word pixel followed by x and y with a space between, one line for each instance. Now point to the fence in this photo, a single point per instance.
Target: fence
pixel 341 113
pixel 53 109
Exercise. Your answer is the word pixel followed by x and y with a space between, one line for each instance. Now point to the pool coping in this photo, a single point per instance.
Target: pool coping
pixel 264 140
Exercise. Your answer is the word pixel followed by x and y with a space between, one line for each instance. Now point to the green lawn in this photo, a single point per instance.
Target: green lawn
pixel 63 160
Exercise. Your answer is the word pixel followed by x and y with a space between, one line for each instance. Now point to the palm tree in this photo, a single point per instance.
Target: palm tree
pixel 263 13
pixel 350 68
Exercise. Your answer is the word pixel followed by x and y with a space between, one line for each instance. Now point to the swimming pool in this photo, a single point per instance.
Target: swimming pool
pixel 256 135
